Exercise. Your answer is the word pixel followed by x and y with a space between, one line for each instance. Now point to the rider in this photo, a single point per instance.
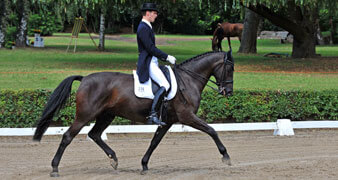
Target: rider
pixel 147 65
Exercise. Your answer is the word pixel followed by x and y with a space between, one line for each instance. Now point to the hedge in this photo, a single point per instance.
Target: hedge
pixel 23 108
pixel 268 106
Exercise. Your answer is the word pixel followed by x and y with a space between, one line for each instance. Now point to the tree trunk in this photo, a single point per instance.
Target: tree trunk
pixel 101 41
pixel 300 22
pixel 2 22
pixel 22 33
pixel 304 48
pixel 249 35
pixel 304 43
pixel 21 36
pixel 319 40
pixel 2 37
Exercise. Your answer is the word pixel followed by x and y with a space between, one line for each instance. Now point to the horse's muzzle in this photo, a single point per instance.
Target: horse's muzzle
pixel 227 92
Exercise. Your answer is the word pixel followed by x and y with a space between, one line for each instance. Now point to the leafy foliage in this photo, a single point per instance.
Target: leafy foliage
pixel 10 36
pixel 11 30
pixel 180 16
pixel 23 108
pixel 46 23
pixel 267 106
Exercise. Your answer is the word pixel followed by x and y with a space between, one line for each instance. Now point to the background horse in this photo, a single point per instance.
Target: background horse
pixel 103 96
pixel 225 30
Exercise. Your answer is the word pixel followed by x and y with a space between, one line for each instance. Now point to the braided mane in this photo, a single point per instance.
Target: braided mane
pixel 196 57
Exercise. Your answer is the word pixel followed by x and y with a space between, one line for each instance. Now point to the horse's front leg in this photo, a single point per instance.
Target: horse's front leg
pixel 191 119
pixel 219 45
pixel 229 42
pixel 159 134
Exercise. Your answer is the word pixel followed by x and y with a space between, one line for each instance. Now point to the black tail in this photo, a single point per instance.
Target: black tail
pixel 55 103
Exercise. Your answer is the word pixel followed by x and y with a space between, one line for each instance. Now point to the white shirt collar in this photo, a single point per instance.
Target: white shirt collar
pixel 147 22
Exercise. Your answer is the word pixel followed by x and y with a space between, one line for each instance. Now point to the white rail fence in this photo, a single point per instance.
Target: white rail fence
pixel 281 127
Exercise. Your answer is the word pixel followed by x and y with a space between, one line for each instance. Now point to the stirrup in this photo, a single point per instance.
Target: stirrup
pixel 154 119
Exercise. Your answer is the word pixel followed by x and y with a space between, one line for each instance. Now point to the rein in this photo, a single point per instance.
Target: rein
pixel 201 78
pixel 193 74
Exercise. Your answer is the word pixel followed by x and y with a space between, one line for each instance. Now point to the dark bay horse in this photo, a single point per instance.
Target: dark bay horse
pixel 225 30
pixel 105 95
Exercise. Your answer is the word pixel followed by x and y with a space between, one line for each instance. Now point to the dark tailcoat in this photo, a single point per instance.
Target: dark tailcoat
pixel 147 49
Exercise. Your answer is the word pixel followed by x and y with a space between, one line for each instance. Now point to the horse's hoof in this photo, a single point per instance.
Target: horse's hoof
pixel 54 174
pixel 226 161
pixel 144 172
pixel 114 163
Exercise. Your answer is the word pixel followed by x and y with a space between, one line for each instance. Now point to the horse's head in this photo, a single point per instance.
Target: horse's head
pixel 216 41
pixel 214 45
pixel 223 73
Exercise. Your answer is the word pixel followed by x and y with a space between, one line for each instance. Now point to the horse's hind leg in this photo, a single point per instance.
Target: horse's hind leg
pixel 195 122
pixel 66 140
pixel 160 132
pixel 102 122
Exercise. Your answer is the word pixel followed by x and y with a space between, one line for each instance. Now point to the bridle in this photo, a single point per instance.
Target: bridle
pixel 222 84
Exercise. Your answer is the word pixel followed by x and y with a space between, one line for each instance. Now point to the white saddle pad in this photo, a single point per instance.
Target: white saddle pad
pixel 144 90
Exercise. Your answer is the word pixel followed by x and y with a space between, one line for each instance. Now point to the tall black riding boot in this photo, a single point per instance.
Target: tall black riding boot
pixel 155 107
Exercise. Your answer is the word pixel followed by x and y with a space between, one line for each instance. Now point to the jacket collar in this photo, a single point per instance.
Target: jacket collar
pixel 148 23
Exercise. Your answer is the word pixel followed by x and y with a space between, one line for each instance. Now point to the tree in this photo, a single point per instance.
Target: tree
pixel 23 8
pixel 295 16
pixel 102 6
pixel 101 39
pixel 3 8
pixel 249 34
pixel 45 16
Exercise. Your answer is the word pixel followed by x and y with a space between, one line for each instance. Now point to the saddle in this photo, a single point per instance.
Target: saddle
pixel 147 89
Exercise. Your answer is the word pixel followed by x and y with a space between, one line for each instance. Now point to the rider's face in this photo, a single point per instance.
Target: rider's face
pixel 152 15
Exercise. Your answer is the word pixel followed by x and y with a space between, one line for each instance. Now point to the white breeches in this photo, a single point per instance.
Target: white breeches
pixel 157 75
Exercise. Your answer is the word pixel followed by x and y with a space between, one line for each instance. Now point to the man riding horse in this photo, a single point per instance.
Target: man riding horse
pixel 103 96
pixel 147 65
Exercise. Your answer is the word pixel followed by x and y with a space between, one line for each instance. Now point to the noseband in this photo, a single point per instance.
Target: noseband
pixel 221 85
pixel 224 82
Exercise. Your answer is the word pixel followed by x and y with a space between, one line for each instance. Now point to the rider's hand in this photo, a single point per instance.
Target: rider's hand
pixel 171 59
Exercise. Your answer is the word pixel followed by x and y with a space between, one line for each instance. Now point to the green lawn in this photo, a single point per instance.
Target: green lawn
pixel 32 68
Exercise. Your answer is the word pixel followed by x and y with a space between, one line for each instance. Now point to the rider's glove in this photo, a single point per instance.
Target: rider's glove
pixel 171 59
